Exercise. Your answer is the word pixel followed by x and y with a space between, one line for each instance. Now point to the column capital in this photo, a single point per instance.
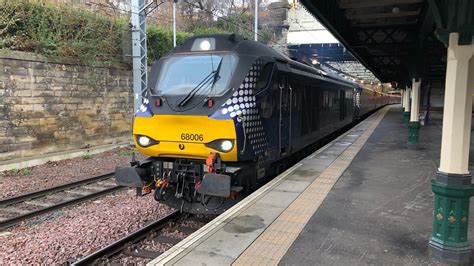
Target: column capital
pixel 416 82
pixel 459 52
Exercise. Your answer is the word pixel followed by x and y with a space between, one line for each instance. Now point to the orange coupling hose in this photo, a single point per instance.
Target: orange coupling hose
pixel 210 162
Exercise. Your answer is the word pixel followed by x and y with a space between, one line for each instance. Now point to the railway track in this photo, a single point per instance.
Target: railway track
pixel 17 209
pixel 135 243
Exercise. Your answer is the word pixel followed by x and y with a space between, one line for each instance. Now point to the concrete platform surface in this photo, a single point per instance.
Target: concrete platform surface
pixel 380 210
pixel 365 198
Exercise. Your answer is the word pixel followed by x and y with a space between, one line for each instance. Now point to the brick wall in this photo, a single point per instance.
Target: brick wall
pixel 49 105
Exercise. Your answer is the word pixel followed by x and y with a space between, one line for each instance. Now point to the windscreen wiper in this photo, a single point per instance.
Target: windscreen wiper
pixel 210 79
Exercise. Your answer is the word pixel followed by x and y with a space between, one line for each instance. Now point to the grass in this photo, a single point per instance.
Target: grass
pixel 87 156
pixel 25 171
pixel 15 172
pixel 124 152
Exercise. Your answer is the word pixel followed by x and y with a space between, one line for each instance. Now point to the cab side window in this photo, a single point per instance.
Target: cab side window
pixel 264 77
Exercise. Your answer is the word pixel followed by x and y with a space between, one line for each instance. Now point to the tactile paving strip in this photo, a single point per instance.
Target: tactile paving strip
pixel 272 244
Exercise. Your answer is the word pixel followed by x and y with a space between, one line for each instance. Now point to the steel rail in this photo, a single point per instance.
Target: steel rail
pixel 119 245
pixel 48 191
pixel 14 220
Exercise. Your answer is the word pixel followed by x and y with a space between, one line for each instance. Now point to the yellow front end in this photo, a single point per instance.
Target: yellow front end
pixel 184 136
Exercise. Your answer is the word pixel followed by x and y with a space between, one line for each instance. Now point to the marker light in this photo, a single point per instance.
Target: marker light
pixel 205 45
pixel 158 102
pixel 144 141
pixel 210 103
pixel 226 145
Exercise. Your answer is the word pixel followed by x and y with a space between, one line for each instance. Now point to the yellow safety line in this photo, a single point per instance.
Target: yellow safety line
pixel 270 247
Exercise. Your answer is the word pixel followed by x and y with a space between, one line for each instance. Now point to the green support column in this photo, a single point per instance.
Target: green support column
pixel 402 100
pixel 452 186
pixel 413 133
pixel 414 125
pixel 406 113
pixel 406 118
pixel 450 217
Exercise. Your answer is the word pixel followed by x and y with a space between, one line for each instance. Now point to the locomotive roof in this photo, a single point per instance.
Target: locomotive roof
pixel 243 46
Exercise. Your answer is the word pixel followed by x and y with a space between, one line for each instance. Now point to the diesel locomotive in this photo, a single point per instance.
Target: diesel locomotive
pixel 223 113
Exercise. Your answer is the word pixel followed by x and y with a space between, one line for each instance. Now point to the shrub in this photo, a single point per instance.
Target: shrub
pixel 59 30
pixel 160 41
pixel 125 152
pixel 25 171
pixel 87 156
pixel 68 31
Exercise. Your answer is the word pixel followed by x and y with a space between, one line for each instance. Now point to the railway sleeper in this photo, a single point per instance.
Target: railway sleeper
pixel 166 240
pixel 15 210
pixel 133 251
pixel 38 203
pixel 78 192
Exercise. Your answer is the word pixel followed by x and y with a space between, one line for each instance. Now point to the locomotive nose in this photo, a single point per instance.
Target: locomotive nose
pixel 192 137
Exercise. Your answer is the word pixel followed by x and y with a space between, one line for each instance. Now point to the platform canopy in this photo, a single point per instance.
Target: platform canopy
pixel 396 39
pixel 335 57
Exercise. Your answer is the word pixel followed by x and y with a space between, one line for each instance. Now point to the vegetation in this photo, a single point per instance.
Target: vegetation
pixel 14 172
pixel 126 152
pixel 238 23
pixel 67 30
pixel 59 30
pixel 25 171
pixel 87 156
pixel 160 41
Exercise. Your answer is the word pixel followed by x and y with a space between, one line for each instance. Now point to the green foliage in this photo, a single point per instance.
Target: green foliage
pixel 238 23
pixel 59 30
pixel 87 156
pixel 25 171
pixel 125 152
pixel 209 30
pixel 66 31
pixel 160 41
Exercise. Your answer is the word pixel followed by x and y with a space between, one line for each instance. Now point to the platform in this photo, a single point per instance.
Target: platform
pixel 365 198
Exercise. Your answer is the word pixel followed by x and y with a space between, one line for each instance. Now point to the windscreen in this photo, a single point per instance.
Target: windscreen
pixel 180 74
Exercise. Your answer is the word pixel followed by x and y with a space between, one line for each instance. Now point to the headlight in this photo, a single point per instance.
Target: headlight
pixel 222 145
pixel 227 145
pixel 204 44
pixel 145 141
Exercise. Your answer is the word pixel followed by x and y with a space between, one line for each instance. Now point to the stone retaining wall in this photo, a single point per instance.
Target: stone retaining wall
pixel 50 105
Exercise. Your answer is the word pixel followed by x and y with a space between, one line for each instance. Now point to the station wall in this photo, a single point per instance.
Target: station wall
pixel 50 105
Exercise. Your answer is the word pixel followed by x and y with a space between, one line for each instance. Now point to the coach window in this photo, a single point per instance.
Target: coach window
pixel 264 77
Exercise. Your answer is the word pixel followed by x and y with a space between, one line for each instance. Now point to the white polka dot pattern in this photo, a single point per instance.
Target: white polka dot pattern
pixel 242 106
pixel 144 109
